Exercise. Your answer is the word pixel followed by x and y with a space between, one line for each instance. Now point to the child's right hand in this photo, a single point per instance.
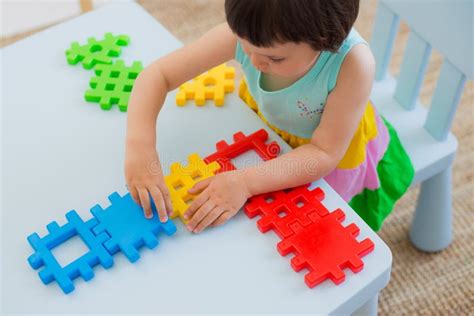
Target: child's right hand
pixel 144 178
pixel 143 172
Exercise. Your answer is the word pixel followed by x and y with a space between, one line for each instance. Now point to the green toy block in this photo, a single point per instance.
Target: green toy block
pixel 113 84
pixel 96 52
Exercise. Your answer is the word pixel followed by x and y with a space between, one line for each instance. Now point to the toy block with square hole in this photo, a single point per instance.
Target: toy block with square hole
pixel 255 141
pixel 325 247
pixel 96 52
pixel 281 208
pixel 113 84
pixel 127 227
pixel 82 266
pixel 182 178
pixel 211 85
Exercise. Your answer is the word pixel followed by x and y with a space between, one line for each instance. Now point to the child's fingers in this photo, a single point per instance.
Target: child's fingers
pixel 134 194
pixel 195 205
pixel 208 219
pixel 223 217
pixel 200 186
pixel 200 214
pixel 145 202
pixel 159 203
pixel 166 196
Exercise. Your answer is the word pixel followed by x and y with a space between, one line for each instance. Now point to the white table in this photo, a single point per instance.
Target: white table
pixel 61 153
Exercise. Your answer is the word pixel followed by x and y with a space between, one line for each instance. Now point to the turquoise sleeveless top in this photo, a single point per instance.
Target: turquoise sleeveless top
pixel 297 109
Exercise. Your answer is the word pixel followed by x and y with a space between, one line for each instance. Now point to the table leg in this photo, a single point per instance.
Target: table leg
pixel 369 308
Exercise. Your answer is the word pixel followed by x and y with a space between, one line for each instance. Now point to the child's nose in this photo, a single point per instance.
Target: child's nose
pixel 258 62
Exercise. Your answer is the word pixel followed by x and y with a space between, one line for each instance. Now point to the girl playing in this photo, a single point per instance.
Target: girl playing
pixel 308 76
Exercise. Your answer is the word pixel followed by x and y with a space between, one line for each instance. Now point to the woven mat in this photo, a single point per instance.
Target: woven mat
pixel 421 284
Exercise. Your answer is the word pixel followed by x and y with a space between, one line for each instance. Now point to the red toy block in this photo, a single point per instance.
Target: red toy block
pixel 242 144
pixel 325 247
pixel 281 208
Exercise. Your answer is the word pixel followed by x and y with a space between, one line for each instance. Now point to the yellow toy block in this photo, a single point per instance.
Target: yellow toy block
pixel 181 179
pixel 207 86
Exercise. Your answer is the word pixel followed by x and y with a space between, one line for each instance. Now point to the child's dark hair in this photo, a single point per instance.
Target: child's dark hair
pixel 323 24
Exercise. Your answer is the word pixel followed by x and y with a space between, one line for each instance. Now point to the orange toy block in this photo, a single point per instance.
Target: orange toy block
pixel 182 178
pixel 211 85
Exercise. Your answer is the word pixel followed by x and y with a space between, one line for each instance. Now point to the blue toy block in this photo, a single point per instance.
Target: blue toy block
pixel 82 266
pixel 127 226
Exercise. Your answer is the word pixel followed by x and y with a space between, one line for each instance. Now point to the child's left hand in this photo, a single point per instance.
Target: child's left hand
pixel 220 198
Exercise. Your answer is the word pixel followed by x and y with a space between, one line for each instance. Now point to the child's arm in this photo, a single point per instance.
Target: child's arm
pixel 143 172
pixel 223 195
pixel 344 109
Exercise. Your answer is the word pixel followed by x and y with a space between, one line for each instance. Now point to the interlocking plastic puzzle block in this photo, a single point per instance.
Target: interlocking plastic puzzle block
pixel 207 86
pixel 96 52
pixel 182 178
pixel 325 247
pixel 255 141
pixel 113 84
pixel 127 227
pixel 281 208
pixel 64 276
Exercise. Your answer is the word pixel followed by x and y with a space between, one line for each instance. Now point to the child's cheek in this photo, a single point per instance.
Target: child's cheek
pixel 287 69
pixel 298 68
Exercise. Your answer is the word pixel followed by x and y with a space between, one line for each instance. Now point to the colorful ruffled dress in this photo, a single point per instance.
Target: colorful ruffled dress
pixel 374 172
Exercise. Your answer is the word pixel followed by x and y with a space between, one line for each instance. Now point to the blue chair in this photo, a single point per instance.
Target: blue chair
pixel 446 26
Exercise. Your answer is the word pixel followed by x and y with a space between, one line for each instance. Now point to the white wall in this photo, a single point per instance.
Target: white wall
pixel 18 16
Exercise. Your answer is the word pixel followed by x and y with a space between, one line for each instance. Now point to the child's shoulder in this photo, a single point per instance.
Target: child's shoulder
pixel 354 44
pixel 353 58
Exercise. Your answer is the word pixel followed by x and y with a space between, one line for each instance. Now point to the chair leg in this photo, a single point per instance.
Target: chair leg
pixel 369 308
pixel 431 227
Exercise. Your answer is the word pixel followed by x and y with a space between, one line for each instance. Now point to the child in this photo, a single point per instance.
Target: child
pixel 308 76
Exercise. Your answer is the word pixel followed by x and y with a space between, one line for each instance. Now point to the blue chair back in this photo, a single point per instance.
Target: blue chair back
pixel 446 26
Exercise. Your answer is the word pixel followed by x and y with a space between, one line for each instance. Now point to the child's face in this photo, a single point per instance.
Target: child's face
pixel 286 60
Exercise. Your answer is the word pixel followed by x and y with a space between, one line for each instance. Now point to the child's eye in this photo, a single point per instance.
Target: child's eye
pixel 276 60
